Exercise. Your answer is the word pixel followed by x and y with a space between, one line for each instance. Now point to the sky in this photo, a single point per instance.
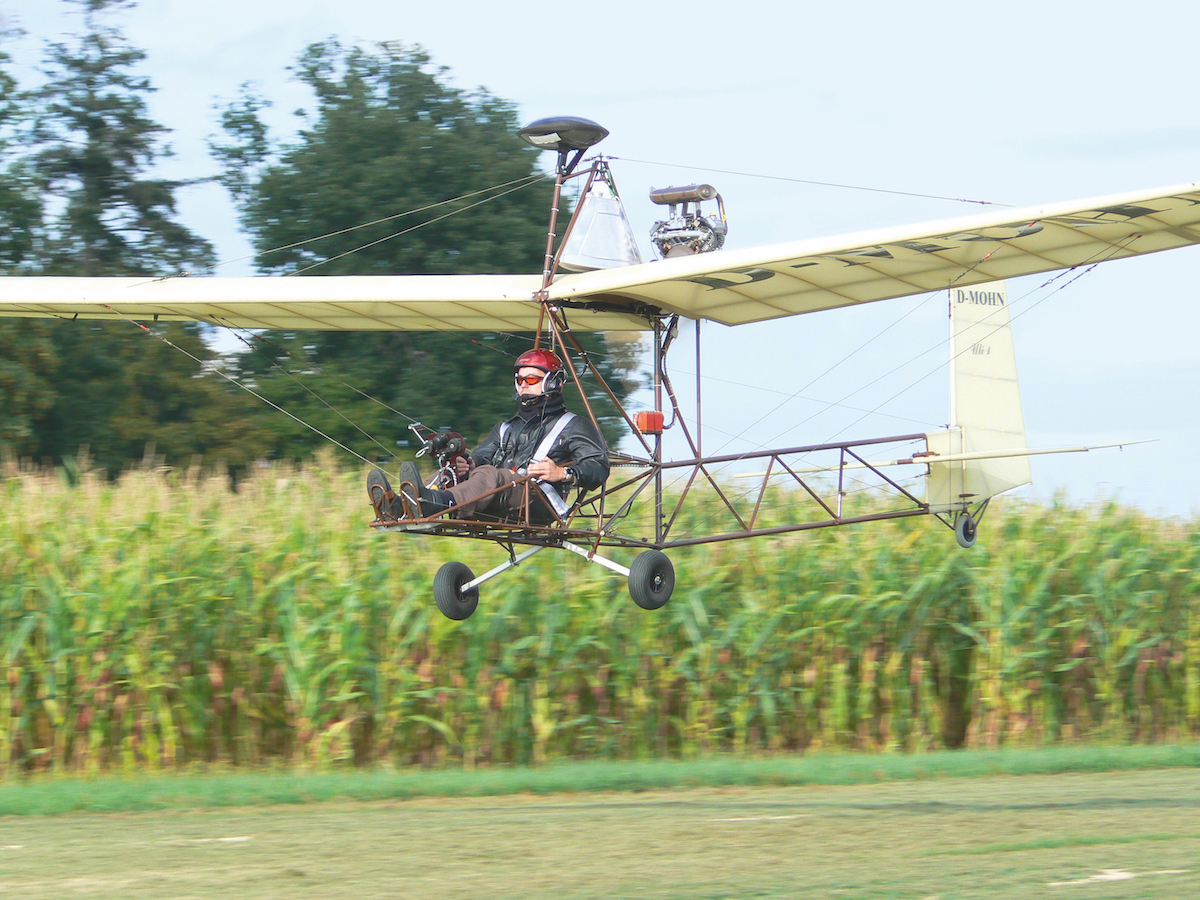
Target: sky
pixel 811 120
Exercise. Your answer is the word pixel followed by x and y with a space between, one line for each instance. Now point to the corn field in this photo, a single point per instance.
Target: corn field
pixel 164 621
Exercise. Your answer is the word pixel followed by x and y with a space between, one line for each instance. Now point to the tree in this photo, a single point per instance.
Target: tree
pixel 365 188
pixel 27 357
pixel 387 137
pixel 89 151
pixel 20 205
pixel 94 144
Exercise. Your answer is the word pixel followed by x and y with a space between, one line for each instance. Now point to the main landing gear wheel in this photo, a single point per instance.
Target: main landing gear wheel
pixel 448 592
pixel 964 530
pixel 651 579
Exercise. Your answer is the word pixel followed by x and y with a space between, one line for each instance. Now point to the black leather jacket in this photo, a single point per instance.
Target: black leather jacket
pixel 580 445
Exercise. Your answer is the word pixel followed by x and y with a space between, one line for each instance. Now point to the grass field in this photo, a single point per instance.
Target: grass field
pixel 1124 833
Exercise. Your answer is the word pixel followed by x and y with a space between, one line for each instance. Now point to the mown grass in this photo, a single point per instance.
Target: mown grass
pixel 221 788
pixel 1131 834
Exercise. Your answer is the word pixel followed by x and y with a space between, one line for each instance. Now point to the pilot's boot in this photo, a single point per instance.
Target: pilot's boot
pixel 383 499
pixel 420 501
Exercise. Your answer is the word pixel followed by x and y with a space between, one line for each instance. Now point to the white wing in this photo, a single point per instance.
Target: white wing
pixel 740 286
pixel 732 287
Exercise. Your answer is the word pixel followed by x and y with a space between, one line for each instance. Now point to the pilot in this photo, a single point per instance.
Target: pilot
pixel 558 448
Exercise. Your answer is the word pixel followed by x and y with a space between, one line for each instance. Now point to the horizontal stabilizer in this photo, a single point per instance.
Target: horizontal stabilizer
pixel 1015 452
pixel 930 458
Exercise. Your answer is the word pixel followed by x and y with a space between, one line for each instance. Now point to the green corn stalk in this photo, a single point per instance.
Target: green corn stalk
pixel 163 620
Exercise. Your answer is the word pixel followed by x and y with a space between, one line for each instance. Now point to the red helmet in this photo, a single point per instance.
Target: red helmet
pixel 539 359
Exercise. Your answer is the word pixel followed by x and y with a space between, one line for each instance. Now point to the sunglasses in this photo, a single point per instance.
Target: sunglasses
pixel 530 380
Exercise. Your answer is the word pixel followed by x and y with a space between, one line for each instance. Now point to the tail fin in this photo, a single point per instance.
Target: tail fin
pixel 985 403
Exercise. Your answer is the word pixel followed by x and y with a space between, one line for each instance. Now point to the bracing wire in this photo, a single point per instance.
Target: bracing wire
pixel 842 402
pixel 789 396
pixel 1076 276
pixel 523 182
pixel 831 368
pixel 495 191
pixel 508 188
pixel 1070 275
pixel 243 386
pixel 927 298
pixel 323 401
pixel 502 189
pixel 415 227
pixel 832 184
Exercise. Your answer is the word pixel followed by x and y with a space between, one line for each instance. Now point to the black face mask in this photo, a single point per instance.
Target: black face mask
pixel 539 405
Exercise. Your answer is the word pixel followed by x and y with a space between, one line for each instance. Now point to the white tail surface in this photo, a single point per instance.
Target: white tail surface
pixel 985 403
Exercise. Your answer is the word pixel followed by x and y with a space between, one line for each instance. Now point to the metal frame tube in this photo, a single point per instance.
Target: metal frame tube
pixel 658 441
pixel 699 428
pixel 503 567
pixel 592 556
pixel 548 265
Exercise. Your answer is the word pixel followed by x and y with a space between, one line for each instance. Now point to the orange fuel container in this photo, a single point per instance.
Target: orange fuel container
pixel 649 422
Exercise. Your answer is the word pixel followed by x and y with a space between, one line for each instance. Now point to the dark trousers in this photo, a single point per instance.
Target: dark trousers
pixel 506 504
pixel 481 480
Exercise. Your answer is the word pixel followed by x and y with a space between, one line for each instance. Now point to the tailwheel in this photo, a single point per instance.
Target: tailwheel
pixel 964 530
pixel 651 579
pixel 448 592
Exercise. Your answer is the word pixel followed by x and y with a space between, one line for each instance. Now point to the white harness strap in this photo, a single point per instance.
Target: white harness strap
pixel 548 441
pixel 555 498
pixel 551 436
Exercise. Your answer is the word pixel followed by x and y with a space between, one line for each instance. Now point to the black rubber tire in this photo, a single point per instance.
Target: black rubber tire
pixel 651 579
pixel 448 593
pixel 965 531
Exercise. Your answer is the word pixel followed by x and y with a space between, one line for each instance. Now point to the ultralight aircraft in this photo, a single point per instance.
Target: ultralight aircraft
pixel 596 281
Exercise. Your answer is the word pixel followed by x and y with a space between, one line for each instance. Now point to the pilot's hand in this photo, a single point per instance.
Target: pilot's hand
pixel 546 470
pixel 461 466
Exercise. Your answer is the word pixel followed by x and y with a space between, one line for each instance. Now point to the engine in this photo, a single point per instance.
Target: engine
pixel 686 230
